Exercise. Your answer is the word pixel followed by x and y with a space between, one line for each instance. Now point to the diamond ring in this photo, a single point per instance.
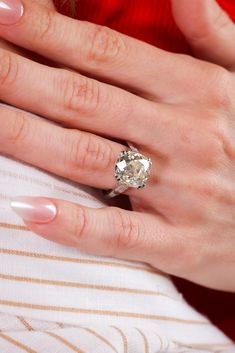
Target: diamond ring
pixel 132 170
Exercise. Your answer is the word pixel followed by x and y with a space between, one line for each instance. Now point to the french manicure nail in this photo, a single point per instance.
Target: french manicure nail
pixel 34 209
pixel 10 11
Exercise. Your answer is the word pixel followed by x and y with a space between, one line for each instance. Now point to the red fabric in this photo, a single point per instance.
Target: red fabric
pixel 151 21
pixel 148 20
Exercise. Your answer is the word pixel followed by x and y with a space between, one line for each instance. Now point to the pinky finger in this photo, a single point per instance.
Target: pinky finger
pixel 107 231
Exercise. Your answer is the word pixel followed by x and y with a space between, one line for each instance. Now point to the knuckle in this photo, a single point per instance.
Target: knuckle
pixel 81 94
pixel 219 146
pixel 219 90
pixel 43 26
pixel 224 151
pixel 87 152
pixel 127 230
pixel 19 129
pixel 8 68
pixel 79 224
pixel 210 154
pixel 104 44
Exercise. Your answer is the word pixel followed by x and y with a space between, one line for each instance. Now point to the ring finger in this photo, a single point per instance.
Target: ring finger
pixel 73 154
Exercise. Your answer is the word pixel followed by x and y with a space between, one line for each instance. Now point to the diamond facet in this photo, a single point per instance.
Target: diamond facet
pixel 132 169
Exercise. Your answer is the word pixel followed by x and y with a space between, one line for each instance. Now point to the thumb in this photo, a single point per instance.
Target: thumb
pixel 208 29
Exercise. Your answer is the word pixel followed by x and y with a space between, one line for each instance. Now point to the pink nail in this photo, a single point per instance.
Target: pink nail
pixel 34 209
pixel 10 11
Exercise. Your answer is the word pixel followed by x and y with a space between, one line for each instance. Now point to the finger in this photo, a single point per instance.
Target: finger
pixel 208 29
pixel 107 231
pixel 75 100
pixel 98 51
pixel 72 154
pixel 47 3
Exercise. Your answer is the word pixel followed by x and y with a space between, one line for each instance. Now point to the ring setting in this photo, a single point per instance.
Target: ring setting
pixel 132 170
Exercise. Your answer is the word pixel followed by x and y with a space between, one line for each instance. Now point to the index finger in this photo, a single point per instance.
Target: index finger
pixel 94 49
pixel 108 231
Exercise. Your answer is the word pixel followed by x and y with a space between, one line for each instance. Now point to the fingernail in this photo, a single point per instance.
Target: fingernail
pixel 10 11
pixel 34 209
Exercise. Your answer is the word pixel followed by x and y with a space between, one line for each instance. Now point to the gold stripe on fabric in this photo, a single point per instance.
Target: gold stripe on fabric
pixel 124 338
pixel 210 346
pixel 161 342
pixel 146 344
pixel 81 261
pixel 100 337
pixel 25 323
pixel 189 350
pixel 64 341
pixel 82 285
pixel 102 312
pixel 16 343
pixel 14 226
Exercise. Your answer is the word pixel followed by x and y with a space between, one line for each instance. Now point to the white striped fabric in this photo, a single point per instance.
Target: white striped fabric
pixel 56 299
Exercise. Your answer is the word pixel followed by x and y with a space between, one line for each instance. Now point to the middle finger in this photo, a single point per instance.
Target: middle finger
pixel 77 101
pixel 72 154
pixel 101 52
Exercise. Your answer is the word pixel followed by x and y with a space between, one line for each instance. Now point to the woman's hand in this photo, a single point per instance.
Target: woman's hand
pixel 182 115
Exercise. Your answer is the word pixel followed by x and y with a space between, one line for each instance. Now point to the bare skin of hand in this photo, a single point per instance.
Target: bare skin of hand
pixel 182 116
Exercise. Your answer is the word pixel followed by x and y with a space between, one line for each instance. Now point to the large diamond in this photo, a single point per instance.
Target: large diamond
pixel 132 169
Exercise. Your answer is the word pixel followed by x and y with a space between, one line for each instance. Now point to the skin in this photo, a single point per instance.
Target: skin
pixel 178 110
